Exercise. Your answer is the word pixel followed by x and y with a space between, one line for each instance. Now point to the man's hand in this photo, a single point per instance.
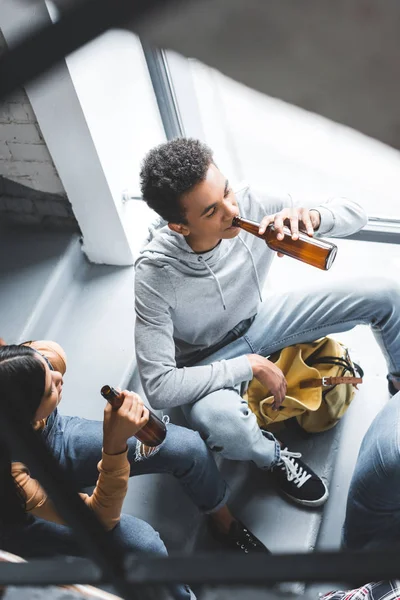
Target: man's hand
pixel 270 376
pixel 297 219
pixel 119 425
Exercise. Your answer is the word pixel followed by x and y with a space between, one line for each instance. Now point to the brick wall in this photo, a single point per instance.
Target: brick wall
pixel 38 196
pixel 26 206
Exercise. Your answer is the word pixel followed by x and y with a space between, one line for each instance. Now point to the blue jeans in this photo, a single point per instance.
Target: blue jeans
pixel 223 417
pixel 41 539
pixel 373 504
pixel 77 444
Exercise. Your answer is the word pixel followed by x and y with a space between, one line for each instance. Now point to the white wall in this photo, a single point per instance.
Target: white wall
pixel 114 89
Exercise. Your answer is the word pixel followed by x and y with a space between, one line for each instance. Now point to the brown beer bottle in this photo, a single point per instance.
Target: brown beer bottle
pixel 313 251
pixel 152 434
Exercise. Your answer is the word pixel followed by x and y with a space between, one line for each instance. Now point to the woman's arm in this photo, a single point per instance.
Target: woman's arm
pixel 112 483
pixel 106 500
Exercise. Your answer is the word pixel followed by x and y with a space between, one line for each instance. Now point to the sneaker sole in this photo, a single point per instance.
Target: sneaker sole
pixel 314 503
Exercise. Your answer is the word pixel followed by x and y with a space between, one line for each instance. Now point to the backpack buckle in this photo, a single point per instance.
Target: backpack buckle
pixel 324 383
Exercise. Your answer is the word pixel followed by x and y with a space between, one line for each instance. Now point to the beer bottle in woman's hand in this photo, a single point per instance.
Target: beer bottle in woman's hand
pixel 153 433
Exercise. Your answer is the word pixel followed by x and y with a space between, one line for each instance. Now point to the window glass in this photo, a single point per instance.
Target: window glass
pixel 282 148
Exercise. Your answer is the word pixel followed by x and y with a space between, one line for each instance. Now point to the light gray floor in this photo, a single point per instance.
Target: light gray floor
pixel 48 290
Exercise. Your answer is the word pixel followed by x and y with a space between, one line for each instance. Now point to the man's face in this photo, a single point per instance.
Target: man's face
pixel 210 207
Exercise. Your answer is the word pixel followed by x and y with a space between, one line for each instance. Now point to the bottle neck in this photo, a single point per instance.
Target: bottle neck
pixel 250 226
pixel 269 234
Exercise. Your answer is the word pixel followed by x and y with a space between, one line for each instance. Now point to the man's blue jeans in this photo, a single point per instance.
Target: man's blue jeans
pixel 224 418
pixel 77 444
pixel 373 504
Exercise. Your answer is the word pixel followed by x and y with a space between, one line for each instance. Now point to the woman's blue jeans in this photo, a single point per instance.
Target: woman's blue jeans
pixel 77 444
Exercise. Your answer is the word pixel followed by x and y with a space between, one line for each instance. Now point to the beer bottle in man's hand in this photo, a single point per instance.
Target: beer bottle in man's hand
pixel 153 433
pixel 313 251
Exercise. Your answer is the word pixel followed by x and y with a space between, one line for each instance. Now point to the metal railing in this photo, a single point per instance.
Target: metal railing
pixel 379 229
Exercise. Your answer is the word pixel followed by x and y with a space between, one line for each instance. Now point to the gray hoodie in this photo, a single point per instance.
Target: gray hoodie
pixel 187 302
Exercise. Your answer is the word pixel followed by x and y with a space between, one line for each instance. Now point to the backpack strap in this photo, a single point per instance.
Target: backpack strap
pixel 344 362
pixel 329 381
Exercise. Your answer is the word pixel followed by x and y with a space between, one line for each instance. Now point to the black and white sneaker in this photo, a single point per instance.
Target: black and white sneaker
pixel 298 481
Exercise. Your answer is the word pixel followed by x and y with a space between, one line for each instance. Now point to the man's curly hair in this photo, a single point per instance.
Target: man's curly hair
pixel 171 170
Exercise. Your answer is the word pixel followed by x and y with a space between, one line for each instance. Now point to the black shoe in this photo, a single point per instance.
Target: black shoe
pixel 238 538
pixel 298 481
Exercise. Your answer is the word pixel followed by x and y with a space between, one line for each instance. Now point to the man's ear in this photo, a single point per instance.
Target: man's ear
pixel 179 228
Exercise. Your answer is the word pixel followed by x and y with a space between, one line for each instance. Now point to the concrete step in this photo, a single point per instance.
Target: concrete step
pixel 30 264
pixel 95 327
pixel 48 290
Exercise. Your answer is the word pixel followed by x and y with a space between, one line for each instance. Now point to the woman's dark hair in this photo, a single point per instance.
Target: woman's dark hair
pixel 171 170
pixel 22 383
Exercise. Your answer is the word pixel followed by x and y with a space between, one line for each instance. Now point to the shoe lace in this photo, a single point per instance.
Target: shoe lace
pixel 294 471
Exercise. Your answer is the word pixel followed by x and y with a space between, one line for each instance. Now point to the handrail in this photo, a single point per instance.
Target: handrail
pixel 232 569
pixel 379 229
pixel 385 221
pixel 86 591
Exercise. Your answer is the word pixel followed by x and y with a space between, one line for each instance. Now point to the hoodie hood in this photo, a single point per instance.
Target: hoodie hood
pixel 167 245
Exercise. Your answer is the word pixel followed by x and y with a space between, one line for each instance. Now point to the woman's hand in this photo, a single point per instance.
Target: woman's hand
pixel 270 376
pixel 296 219
pixel 119 425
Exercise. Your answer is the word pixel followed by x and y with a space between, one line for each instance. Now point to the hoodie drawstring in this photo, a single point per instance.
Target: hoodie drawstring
pixel 254 266
pixel 213 275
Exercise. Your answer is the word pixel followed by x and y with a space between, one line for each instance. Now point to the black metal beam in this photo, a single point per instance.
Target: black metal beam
pixel 258 569
pixel 355 568
pixel 48 571
pixel 78 25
